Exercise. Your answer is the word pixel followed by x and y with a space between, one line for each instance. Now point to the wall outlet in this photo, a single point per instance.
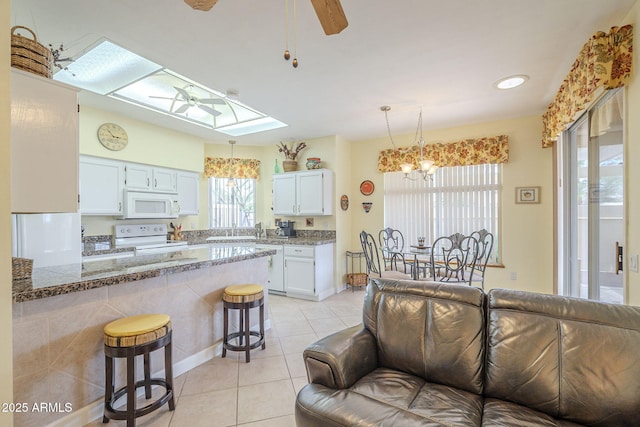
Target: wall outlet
pixel 513 275
pixel 193 225
pixel 633 263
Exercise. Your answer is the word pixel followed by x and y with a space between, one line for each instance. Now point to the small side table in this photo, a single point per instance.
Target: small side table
pixel 354 278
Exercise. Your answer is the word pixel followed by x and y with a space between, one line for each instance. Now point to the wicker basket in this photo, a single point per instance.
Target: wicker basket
pixel 357 279
pixel 21 268
pixel 29 55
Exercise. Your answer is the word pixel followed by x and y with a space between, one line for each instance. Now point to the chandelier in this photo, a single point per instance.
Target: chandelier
pixel 427 167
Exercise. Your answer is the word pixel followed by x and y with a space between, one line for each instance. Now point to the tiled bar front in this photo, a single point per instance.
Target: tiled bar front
pixel 58 343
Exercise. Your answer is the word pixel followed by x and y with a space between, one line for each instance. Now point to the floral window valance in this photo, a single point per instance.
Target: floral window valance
pixel 224 167
pixel 476 151
pixel 604 61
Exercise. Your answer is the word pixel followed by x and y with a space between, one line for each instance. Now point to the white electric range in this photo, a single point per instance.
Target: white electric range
pixel 146 239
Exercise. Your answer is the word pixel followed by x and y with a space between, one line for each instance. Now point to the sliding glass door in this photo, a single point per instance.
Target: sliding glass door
pixel 592 204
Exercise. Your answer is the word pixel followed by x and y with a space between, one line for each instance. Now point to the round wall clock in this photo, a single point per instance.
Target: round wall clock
pixel 367 187
pixel 112 136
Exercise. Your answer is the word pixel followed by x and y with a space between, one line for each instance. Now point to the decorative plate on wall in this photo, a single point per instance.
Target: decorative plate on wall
pixel 367 187
pixel 344 202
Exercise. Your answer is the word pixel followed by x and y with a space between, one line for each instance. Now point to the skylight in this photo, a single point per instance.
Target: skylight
pixel 108 69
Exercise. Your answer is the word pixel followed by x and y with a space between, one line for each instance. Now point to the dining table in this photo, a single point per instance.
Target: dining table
pixel 420 256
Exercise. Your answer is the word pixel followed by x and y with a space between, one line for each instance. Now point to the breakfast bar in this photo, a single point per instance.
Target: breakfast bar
pixel 59 315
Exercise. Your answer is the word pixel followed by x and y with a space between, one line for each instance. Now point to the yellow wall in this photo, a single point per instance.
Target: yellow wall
pixel 527 230
pixel 147 143
pixel 632 156
pixel 6 349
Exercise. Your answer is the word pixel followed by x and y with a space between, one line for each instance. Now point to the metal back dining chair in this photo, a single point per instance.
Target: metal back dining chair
pixel 392 247
pixel 485 246
pixel 372 259
pixel 453 258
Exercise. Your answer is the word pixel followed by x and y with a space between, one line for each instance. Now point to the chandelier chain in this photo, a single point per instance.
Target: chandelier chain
pixel 386 110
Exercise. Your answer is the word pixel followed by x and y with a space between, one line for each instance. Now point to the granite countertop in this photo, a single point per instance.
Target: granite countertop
pixel 50 281
pixel 105 247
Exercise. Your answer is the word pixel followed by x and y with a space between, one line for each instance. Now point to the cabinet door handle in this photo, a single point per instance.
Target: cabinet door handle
pixel 155 183
pixel 148 182
pixel 119 206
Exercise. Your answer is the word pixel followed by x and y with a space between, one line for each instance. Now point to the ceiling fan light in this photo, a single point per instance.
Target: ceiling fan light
pixel 432 170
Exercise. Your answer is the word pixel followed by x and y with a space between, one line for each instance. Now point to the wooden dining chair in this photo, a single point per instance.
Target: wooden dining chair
pixel 453 258
pixel 485 246
pixel 372 259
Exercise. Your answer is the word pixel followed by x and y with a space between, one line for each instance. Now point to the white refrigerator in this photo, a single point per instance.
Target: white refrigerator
pixel 47 239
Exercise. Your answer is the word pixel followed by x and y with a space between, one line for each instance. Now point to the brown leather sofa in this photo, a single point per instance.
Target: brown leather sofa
pixel 433 354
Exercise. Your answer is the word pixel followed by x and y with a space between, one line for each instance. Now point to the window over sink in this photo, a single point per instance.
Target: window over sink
pixel 232 206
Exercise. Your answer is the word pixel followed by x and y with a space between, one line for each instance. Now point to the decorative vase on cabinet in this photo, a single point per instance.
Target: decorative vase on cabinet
pixel 289 165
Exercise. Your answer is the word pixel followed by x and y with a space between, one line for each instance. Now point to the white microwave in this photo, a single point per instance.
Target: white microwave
pixel 140 204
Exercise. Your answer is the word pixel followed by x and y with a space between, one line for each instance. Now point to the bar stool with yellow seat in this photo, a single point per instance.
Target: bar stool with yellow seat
pixel 243 298
pixel 130 337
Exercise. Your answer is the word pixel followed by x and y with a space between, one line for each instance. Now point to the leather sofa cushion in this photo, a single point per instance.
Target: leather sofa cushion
pixel 572 359
pixel 431 330
pixel 499 413
pixel 386 397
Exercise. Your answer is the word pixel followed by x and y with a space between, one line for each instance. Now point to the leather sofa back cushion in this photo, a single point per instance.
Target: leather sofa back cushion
pixel 428 329
pixel 577 361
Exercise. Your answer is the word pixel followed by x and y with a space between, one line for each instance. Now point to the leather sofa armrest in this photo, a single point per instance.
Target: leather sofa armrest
pixel 339 360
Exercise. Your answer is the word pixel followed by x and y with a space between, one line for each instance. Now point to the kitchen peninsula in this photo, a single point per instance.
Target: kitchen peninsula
pixel 58 318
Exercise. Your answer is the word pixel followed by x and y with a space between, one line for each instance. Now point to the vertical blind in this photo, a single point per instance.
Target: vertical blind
pixel 460 199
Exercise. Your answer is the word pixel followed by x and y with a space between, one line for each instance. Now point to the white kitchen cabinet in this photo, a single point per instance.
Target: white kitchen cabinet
pixel 101 186
pixel 141 177
pixel 284 194
pixel 165 180
pixel 275 282
pixel 138 177
pixel 308 271
pixel 303 193
pixel 44 145
pixel 188 185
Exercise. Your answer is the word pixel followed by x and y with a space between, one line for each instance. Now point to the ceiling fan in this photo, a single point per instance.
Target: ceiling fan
pixel 330 13
pixel 190 100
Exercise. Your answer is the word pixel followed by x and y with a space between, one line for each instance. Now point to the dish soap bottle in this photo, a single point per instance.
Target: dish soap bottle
pixel 276 168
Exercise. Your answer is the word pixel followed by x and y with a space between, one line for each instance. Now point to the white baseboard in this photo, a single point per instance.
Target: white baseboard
pixel 95 410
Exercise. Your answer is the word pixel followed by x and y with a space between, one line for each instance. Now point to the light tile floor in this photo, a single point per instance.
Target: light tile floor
pixel 229 392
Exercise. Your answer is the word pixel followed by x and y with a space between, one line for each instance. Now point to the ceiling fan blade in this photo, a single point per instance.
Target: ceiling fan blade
pixel 162 97
pixel 201 4
pixel 212 101
pixel 209 110
pixel 331 15
pixel 182 108
pixel 183 92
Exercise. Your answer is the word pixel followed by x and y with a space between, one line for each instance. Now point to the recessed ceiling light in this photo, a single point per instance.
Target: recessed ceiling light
pixel 511 81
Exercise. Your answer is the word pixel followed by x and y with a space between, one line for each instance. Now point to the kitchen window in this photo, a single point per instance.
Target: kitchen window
pixel 232 206
pixel 460 199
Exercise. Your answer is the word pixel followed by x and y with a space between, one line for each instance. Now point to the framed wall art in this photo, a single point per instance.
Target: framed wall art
pixel 527 194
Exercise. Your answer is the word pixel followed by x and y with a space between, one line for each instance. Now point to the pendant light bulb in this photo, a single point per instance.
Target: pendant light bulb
pixel 287 55
pixel 295 63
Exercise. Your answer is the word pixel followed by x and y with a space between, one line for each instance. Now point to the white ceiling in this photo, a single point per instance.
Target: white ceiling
pixel 443 56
